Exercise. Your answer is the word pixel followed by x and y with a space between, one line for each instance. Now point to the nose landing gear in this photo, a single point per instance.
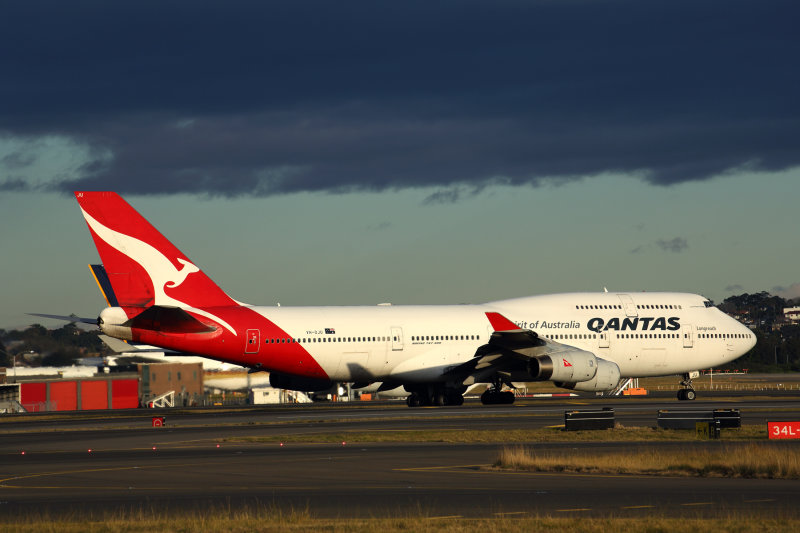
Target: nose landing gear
pixel 687 392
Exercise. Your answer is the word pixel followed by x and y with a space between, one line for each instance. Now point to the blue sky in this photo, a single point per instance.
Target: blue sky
pixel 437 152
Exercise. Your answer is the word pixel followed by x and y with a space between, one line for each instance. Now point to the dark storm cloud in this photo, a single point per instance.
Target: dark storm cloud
pixel 261 98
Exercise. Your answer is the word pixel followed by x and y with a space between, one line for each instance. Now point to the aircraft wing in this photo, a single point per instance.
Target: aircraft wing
pixel 510 352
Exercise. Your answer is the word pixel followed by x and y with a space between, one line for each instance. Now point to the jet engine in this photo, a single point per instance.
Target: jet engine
pixel 570 365
pixel 290 382
pixel 606 378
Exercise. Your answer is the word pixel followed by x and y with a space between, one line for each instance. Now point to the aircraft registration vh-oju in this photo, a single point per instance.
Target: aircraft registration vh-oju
pixel 579 341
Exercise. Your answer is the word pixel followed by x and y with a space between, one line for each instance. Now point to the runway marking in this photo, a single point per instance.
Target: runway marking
pixel 639 507
pixel 92 470
pixel 79 487
pixel 695 504
pixel 511 513
pixel 430 468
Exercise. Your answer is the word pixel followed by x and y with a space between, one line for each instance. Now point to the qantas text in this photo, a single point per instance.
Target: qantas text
pixel 635 324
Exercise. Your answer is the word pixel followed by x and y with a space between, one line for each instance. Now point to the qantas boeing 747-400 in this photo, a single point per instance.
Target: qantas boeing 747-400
pixel 580 341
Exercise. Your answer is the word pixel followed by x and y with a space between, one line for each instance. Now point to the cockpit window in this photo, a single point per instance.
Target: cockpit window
pixel 708 303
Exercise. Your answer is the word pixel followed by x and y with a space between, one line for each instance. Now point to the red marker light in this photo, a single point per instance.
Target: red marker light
pixel 217 445
pixel 343 443
pixel 23 452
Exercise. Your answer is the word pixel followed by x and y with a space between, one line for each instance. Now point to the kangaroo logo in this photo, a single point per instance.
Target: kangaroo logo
pixel 187 269
pixel 162 272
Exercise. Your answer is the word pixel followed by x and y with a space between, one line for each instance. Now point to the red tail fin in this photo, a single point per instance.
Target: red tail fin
pixel 144 268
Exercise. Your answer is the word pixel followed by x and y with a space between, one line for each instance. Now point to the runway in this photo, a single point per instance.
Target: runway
pixel 133 465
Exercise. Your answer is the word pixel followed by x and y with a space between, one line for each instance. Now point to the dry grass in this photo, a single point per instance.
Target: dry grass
pixel 521 436
pixel 269 519
pixel 730 460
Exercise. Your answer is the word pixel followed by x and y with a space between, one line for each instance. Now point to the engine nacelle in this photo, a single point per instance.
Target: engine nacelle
pixel 290 382
pixel 606 378
pixel 569 365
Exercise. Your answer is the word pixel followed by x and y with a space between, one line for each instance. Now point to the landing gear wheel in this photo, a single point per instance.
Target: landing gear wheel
pixel 687 394
pixel 440 399
pixel 413 400
pixel 493 397
pixel 454 398
pixel 488 397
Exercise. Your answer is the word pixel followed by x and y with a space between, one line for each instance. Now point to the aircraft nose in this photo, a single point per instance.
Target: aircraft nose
pixel 750 336
pixel 752 340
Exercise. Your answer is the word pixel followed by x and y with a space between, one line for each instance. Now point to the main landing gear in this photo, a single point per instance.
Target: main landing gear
pixel 496 395
pixel 687 392
pixel 435 396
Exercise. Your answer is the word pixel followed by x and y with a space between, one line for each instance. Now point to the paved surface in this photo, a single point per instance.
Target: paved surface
pixel 187 470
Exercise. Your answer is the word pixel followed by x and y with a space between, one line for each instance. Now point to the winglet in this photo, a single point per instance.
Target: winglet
pixel 501 323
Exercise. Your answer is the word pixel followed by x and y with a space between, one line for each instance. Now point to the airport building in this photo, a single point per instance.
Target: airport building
pixel 177 383
pixel 38 395
pixel 129 387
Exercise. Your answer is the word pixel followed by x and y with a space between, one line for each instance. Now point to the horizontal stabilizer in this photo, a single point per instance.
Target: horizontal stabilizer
pixel 167 320
pixel 117 345
pixel 70 318
pixel 120 346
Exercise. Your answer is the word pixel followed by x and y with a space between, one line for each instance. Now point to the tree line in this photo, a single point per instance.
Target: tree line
pixel 39 346
pixel 778 342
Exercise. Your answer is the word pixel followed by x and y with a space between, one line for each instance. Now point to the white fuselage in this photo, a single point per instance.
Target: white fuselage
pixel 645 334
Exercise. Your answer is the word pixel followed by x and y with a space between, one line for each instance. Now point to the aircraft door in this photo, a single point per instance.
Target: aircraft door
pixel 604 339
pixel 627 303
pixel 397 338
pixel 688 336
pixel 252 341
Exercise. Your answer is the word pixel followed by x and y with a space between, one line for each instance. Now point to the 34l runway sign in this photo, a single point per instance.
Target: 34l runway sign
pixel 784 430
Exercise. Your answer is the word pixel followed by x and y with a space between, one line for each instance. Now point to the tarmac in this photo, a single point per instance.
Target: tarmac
pixel 106 461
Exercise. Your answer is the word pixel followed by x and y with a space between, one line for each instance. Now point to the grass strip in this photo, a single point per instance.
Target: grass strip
pixel 521 436
pixel 743 460
pixel 270 519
